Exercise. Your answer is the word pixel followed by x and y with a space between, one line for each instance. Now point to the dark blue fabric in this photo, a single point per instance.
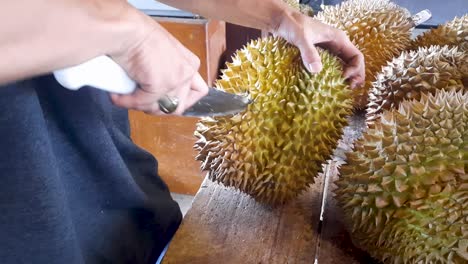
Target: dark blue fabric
pixel 73 186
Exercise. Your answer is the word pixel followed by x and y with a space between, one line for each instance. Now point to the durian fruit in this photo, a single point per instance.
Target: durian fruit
pixel 413 73
pixel 379 28
pixel 454 33
pixel 274 149
pixel 303 8
pixel 404 189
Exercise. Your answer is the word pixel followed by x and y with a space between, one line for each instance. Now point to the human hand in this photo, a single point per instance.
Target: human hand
pixel 306 33
pixel 161 66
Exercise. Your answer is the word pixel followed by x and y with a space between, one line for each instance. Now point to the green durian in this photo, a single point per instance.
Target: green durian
pixel 379 28
pixel 414 73
pixel 404 189
pixel 453 33
pixel 274 149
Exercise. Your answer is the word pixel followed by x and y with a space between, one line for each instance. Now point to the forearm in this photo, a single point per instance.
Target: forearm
pixel 261 14
pixel 40 36
pixel 275 16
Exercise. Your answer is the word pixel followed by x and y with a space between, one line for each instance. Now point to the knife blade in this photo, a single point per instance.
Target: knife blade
pixel 105 74
pixel 218 103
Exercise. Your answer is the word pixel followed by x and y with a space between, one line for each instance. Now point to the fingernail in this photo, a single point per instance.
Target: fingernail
pixel 315 67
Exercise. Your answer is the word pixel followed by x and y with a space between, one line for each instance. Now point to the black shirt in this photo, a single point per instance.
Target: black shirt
pixel 74 188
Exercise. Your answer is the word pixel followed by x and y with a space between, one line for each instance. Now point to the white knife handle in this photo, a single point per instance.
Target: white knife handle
pixel 101 72
pixel 420 17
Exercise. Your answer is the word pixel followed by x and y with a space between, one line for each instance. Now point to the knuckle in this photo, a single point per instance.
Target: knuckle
pixel 192 66
pixel 152 109
pixel 330 32
pixel 192 59
pixel 195 62
pixel 342 35
pixel 361 58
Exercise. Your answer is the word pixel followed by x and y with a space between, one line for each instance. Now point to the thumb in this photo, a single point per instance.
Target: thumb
pixel 311 58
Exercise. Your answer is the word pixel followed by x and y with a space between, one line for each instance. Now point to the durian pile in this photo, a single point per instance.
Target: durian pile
pixel 273 152
pixel 404 189
pixel 275 148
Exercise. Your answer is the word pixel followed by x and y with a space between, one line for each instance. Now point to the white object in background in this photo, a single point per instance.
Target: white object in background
pixel 101 72
pixel 421 17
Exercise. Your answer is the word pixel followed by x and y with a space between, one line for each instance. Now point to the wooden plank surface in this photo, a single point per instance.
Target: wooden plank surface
pixel 226 226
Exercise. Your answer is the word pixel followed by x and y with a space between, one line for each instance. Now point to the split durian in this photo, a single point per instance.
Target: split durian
pixel 414 73
pixel 379 28
pixel 453 33
pixel 404 189
pixel 274 149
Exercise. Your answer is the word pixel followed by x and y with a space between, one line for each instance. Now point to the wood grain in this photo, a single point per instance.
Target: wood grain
pixel 170 139
pixel 225 226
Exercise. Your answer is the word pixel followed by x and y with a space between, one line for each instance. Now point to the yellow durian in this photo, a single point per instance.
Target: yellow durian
pixel 274 149
pixel 453 33
pixel 404 189
pixel 379 28
pixel 414 73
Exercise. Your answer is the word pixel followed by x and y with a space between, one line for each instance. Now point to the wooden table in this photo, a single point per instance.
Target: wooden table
pixel 225 226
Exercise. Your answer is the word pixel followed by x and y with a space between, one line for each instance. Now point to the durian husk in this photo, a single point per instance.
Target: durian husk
pixel 379 28
pixel 414 73
pixel 274 149
pixel 404 189
pixel 453 33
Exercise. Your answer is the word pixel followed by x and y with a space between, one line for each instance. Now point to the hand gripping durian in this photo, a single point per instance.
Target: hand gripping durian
pixel 379 28
pixel 274 149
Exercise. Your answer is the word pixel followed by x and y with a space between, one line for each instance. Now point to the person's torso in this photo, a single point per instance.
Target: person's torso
pixel 74 188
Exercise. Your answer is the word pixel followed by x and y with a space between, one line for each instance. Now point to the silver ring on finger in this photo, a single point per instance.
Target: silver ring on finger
pixel 168 104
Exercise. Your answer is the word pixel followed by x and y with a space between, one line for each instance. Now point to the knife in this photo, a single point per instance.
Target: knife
pixel 105 74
